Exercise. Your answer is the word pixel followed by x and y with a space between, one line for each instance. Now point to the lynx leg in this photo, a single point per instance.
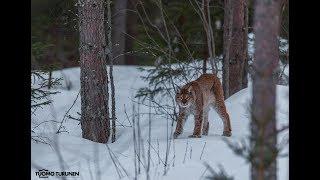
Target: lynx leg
pixel 197 125
pixel 180 124
pixel 205 127
pixel 221 110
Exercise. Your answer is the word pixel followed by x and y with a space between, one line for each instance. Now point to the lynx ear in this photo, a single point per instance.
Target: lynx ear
pixel 178 88
pixel 189 88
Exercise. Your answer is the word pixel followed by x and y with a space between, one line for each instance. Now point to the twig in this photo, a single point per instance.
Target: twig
pixel 203 149
pixel 63 119
pixel 115 165
pixel 149 144
pixel 185 153
pixel 134 142
pixel 158 153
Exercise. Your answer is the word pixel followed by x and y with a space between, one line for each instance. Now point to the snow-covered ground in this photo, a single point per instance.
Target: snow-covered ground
pixel 93 160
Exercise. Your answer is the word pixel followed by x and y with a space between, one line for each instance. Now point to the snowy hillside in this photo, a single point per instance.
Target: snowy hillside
pixel 186 157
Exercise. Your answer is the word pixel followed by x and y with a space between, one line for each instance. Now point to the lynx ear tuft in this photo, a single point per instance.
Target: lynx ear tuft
pixel 189 88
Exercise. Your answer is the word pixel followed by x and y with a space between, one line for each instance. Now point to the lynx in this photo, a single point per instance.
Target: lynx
pixel 196 97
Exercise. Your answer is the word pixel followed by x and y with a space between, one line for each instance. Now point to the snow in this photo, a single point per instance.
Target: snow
pixel 93 160
pixel 283 47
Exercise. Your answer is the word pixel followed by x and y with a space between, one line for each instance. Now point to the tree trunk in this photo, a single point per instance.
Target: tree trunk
pixel 119 31
pixel 227 35
pixel 93 76
pixel 50 79
pixel 236 57
pixel 263 125
pixel 245 43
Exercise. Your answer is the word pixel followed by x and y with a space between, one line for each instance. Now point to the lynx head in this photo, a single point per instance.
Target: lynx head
pixel 184 97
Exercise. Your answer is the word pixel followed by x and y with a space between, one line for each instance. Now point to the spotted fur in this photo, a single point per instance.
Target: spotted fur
pixel 196 98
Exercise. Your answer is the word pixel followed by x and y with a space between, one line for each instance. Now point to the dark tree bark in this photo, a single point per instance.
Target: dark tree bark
pixel 245 43
pixel 119 31
pixel 234 54
pixel 237 58
pixel 227 35
pixel 50 79
pixel 93 76
pixel 263 124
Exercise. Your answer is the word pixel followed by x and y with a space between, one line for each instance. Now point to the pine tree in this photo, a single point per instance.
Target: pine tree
pixel 93 76
pixel 235 48
pixel 263 119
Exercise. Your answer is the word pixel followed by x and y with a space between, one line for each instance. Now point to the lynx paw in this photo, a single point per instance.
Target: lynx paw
pixel 195 136
pixel 205 133
pixel 175 135
pixel 226 133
